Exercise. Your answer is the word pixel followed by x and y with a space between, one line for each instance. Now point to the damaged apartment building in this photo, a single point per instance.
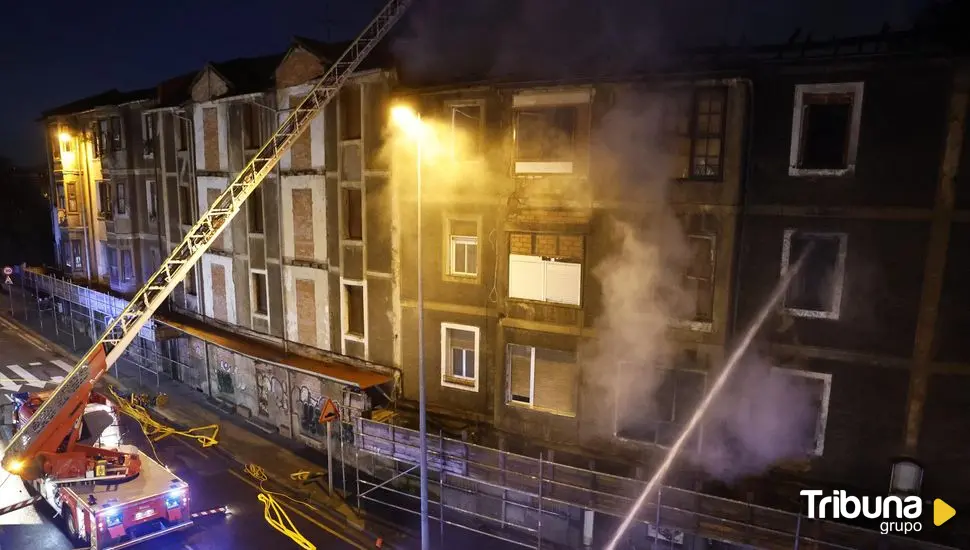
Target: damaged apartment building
pixel 592 252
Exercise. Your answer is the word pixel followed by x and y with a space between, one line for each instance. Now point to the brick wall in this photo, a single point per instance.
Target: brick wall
pixel 300 158
pixel 298 67
pixel 520 243
pixel 571 247
pixel 220 309
pixel 303 223
pixel 306 312
pixel 548 245
pixel 210 138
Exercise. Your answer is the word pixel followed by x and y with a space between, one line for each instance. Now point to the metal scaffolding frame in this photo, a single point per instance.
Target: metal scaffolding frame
pixel 517 499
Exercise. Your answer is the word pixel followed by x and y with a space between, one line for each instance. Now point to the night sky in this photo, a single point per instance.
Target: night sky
pixel 58 51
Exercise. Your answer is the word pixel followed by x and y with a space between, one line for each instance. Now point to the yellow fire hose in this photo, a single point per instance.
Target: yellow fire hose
pixel 274 514
pixel 155 431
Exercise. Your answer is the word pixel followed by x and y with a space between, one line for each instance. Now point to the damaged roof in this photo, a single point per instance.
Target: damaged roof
pixel 103 99
pixel 175 91
pixel 329 52
pixel 246 75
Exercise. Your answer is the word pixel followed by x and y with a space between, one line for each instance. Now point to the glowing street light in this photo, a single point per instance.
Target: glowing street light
pixel 64 137
pixel 410 123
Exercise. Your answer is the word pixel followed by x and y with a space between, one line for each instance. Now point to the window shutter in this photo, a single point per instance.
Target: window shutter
pixel 526 277
pixel 563 282
pixel 520 373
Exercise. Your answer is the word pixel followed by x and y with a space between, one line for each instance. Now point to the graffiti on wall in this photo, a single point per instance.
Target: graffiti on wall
pixel 270 388
pixel 310 407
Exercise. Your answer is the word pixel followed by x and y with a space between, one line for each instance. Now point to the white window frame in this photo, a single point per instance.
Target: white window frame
pixel 548 99
pixel 252 292
pixel 532 378
pixel 525 258
pixel 854 88
pixel 667 371
pixel 446 374
pixel 823 415
pixel 151 198
pixel 454 241
pixel 835 308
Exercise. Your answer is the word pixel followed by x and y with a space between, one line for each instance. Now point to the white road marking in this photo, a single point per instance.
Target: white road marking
pixel 7 384
pixel 35 363
pixel 56 380
pixel 27 376
pixel 63 364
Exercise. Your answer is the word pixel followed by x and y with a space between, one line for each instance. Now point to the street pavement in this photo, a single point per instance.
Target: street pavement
pixel 214 479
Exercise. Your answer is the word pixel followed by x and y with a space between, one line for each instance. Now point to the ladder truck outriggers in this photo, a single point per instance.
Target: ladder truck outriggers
pixel 113 496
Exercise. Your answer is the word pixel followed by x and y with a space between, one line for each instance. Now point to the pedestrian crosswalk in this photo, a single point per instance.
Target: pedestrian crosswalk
pixel 33 376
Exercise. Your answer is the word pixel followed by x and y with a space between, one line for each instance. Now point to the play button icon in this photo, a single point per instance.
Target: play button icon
pixel 942 512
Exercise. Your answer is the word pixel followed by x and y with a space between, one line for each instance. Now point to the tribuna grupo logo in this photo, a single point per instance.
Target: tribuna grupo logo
pixel 898 513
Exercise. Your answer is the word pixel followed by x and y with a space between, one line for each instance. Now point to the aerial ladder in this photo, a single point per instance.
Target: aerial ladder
pixel 47 444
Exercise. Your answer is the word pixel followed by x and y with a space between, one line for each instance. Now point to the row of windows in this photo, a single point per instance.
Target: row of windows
pixel 547 380
pixel 116 202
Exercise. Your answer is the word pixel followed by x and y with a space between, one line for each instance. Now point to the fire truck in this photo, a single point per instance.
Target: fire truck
pixel 106 493
pixel 127 500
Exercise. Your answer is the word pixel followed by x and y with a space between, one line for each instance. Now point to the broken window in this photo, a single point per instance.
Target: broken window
pixel 546 134
pixel 353 214
pixel 260 293
pixel 826 126
pixel 459 355
pixel 127 266
pixel 117 134
pixel 255 209
pixel 816 388
pixel 466 128
pixel 104 200
pixel 697 308
pixel 71 197
pixel 546 267
pixel 152 199
pixel 463 248
pixel 653 403
pixel 185 206
pixel 816 290
pixel 148 133
pixel 121 198
pixel 543 379
pixel 693 132
pixel 350 113
pixel 354 304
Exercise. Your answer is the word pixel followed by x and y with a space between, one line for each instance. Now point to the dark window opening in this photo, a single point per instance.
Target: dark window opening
pixel 699 277
pixel 466 123
pixel 104 133
pixel 652 413
pixel 152 200
pixel 350 113
pixel 355 309
pixel 127 266
pixel 260 294
pixel 182 127
pixel 113 264
pixel 117 135
pixel 814 287
pixel 148 133
pixel 185 206
pixel 354 214
pixel 71 198
pixel 250 125
pixel 826 124
pixel 546 135
pixel 255 208
pixel 104 200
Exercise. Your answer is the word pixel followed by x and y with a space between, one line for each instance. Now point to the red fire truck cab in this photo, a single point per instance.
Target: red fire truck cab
pixel 114 513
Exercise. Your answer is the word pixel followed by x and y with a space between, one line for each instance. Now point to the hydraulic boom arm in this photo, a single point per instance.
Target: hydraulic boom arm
pixel 46 430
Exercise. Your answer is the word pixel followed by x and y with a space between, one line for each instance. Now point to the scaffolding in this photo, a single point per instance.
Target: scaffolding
pixel 524 501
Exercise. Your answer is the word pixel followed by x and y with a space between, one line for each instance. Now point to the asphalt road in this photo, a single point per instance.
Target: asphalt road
pixel 214 480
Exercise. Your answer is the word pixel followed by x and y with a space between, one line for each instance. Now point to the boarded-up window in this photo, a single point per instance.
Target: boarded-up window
pixel 210 138
pixel 219 300
pixel 303 223
pixel 301 153
pixel 355 309
pixel 546 267
pixel 543 379
pixel 212 195
pixel 353 214
pixel 306 312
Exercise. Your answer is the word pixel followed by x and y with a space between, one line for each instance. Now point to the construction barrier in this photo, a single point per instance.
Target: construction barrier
pixel 19 505
pixel 222 510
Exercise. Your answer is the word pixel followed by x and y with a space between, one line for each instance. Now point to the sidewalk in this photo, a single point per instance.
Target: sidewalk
pixel 237 439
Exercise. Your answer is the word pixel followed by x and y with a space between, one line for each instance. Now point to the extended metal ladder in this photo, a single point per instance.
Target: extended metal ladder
pixel 122 331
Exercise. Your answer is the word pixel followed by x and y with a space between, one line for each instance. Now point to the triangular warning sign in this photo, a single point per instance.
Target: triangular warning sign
pixel 7 280
pixel 329 412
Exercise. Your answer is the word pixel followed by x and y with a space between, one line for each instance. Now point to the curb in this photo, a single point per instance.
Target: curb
pixel 337 517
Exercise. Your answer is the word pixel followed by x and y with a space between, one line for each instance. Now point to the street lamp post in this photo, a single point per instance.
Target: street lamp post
pixel 410 122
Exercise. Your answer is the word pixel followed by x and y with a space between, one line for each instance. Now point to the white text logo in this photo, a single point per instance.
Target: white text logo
pixel 897 513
